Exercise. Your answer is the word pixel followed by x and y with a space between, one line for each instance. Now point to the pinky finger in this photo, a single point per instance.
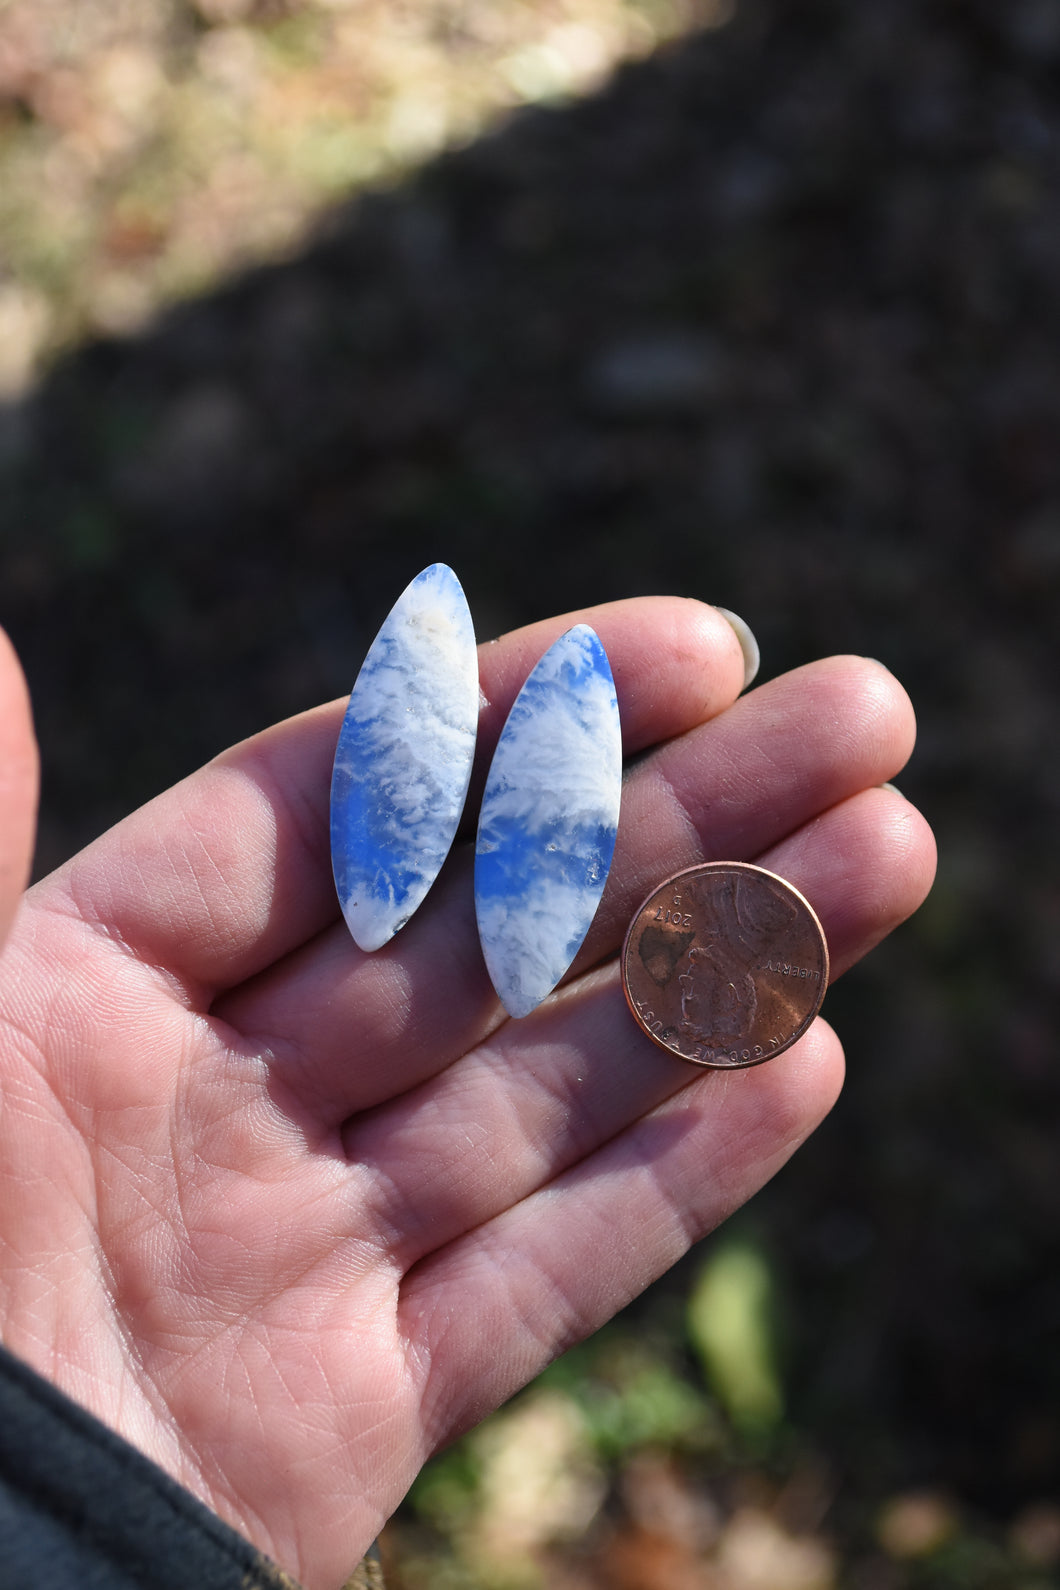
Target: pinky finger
pixel 556 1266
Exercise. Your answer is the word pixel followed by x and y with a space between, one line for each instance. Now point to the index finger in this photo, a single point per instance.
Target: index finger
pixel 229 871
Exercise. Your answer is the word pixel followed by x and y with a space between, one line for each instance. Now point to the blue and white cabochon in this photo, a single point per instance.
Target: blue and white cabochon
pixel 549 816
pixel 404 756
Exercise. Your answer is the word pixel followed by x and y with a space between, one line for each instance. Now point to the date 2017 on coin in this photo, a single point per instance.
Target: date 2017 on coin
pixel 725 965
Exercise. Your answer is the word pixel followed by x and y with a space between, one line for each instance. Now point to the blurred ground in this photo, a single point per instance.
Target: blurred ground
pixel 148 145
pixel 769 317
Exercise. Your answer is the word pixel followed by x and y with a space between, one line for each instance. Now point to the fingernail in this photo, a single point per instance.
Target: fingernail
pixel 893 789
pixel 748 644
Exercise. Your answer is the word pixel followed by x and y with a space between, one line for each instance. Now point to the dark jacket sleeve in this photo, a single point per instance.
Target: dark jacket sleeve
pixel 80 1509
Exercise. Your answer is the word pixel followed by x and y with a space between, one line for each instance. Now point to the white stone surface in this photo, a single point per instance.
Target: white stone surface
pixel 548 821
pixel 404 757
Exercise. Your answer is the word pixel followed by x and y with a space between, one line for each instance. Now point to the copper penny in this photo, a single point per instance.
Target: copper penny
pixel 725 965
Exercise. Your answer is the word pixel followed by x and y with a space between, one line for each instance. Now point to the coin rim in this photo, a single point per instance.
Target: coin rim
pixel 726 866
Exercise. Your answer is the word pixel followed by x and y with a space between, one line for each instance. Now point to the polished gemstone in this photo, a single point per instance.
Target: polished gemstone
pixel 404 757
pixel 549 816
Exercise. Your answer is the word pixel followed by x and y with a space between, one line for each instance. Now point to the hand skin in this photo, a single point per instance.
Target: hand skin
pixel 290 1217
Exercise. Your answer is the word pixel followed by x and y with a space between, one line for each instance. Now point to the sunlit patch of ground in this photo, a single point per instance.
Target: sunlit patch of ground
pixel 149 147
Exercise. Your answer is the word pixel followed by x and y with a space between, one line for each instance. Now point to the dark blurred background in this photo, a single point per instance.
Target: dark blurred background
pixel 769 317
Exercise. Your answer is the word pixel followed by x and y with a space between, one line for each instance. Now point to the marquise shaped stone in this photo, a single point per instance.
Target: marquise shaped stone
pixel 548 822
pixel 404 755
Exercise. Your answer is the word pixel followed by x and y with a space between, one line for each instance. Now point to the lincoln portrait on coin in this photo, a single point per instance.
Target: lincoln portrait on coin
pixel 719 998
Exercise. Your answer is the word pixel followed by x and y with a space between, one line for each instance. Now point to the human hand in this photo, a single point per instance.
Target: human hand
pixel 289 1217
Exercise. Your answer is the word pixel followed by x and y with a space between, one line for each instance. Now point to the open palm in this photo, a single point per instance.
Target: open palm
pixel 289 1217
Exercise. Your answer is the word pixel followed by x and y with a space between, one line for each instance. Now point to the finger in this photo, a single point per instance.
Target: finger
pixel 489 1311
pixel 862 888
pixel 676 663
pixel 18 784
pixel 541 1094
pixel 789 750
pixel 231 870
pixel 348 1031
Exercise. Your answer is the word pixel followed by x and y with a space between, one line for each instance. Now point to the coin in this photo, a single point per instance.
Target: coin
pixel 725 965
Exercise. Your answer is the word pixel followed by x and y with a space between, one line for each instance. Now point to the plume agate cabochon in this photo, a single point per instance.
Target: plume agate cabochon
pixel 404 756
pixel 548 822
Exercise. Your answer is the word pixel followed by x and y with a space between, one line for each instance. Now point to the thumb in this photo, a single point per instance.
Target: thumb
pixel 18 784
